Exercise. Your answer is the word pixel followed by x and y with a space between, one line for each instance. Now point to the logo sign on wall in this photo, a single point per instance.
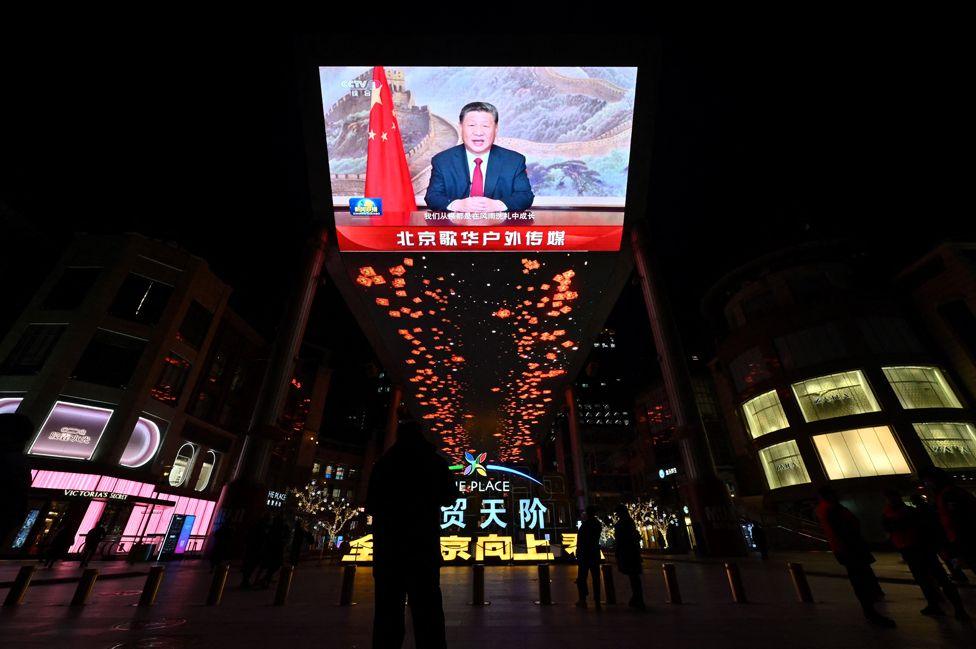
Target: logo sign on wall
pixel 71 431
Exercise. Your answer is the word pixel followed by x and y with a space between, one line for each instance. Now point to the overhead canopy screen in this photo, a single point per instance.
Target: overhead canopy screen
pixel 459 159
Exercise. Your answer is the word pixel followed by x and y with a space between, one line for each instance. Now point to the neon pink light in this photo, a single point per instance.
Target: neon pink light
pixel 94 513
pixel 142 445
pixel 9 405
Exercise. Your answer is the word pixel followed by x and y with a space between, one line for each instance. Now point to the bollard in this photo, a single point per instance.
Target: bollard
pixel 735 583
pixel 609 594
pixel 151 589
pixel 284 585
pixel 799 577
pixel 671 583
pixel 478 585
pixel 15 596
pixel 85 586
pixel 545 586
pixel 348 579
pixel 217 584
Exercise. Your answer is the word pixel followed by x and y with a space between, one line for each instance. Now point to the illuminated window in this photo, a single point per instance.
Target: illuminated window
pixel 337 492
pixel 921 387
pixel 182 464
pixel 340 472
pixel 328 472
pixel 141 299
pixel 316 467
pixel 860 453
pixel 835 395
pixel 764 414
pixel 172 379
pixel 749 368
pixel 950 445
pixel 206 471
pixel 783 465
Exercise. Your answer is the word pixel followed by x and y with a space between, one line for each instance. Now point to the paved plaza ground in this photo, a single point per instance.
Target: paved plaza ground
pixel 311 618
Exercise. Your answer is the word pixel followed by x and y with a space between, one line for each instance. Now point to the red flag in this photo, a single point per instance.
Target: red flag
pixel 387 175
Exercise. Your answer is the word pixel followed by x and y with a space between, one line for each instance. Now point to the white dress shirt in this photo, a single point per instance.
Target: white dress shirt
pixel 471 165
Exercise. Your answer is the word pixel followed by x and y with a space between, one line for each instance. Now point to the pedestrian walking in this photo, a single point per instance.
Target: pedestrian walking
pixel 843 531
pixel 628 554
pixel 588 555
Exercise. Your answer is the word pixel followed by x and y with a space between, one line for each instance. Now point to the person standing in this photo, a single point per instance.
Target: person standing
pixel 843 531
pixel 628 552
pixel 92 539
pixel 956 509
pixel 273 554
pixel 588 556
pixel 406 539
pixel 257 537
pixel 57 549
pixel 907 530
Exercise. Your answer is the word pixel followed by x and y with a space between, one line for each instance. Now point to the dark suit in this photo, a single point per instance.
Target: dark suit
pixel 505 179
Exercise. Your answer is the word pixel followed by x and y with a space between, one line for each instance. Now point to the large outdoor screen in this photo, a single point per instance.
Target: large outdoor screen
pixel 478 158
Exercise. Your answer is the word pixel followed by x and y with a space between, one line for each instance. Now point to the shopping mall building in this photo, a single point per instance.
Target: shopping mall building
pixel 139 381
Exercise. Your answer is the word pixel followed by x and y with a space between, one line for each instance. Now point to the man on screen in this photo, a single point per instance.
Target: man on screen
pixel 478 176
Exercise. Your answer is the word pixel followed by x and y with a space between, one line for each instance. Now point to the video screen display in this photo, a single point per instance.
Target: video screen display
pixel 478 158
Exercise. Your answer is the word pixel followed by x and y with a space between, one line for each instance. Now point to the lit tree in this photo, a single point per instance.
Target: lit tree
pixel 647 513
pixel 338 513
pixel 310 503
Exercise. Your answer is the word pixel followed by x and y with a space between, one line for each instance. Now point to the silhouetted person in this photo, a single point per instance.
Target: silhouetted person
pixel 220 548
pixel 407 488
pixel 257 536
pixel 759 538
pixel 300 538
pixel 588 556
pixel 918 547
pixel 92 539
pixel 934 528
pixel 956 509
pixel 628 553
pixel 57 549
pixel 273 553
pixel 843 531
pixel 15 478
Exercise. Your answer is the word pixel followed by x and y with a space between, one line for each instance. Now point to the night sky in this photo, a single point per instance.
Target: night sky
pixel 760 141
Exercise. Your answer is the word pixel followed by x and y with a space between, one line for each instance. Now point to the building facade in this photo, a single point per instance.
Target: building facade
pixel 824 378
pixel 140 382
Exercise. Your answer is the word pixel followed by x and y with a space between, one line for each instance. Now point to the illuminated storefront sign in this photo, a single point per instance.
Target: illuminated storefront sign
pixel 465 548
pixel 78 493
pixel 71 431
pixel 143 444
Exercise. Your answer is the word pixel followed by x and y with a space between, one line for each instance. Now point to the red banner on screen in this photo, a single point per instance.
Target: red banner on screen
pixel 483 238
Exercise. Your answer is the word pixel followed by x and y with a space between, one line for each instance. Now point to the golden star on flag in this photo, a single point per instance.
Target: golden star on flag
pixel 372 135
pixel 374 97
pixel 383 137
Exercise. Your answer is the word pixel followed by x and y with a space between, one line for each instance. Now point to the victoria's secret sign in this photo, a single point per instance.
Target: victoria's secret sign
pixel 80 493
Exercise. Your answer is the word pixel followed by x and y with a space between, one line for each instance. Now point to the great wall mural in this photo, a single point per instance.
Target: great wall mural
pixel 572 124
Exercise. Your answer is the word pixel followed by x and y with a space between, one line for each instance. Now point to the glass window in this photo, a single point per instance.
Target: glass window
pixel 196 324
pixel 182 464
pixel 172 379
pixel 141 299
pixel 31 351
pixel 748 369
pixel 328 472
pixel 337 493
pixel 110 359
pixel 887 335
pixel 316 467
pixel 71 289
pixel 860 453
pixel 783 465
pixel 811 346
pixel 764 414
pixel 921 387
pixel 340 472
pixel 950 445
pixel 835 395
pixel 206 470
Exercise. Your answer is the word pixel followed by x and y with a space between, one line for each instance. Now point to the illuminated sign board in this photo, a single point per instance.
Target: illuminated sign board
pixel 276 499
pixel 466 548
pixel 663 473
pixel 539 163
pixel 71 430
pixel 80 493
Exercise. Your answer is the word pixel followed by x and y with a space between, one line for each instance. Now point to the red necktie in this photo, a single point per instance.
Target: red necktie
pixel 477 180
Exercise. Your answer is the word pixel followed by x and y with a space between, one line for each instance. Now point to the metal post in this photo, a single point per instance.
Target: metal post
pixel 799 576
pixel 576 451
pixel 348 580
pixel 710 505
pixel 151 588
pixel 85 586
pixel 735 583
pixel 545 586
pixel 217 584
pixel 284 585
pixel 671 583
pixel 15 596
pixel 478 585
pixel 609 593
